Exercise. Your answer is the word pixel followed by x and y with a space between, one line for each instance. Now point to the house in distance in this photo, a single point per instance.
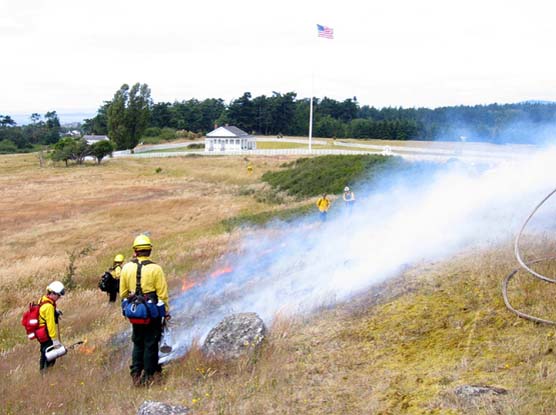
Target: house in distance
pixel 229 138
pixel 92 139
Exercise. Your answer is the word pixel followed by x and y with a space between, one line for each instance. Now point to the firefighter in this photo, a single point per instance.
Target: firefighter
pixel 144 367
pixel 323 204
pixel 115 270
pixel 249 168
pixel 48 332
pixel 349 198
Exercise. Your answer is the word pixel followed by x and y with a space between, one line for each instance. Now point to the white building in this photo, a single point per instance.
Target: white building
pixel 92 139
pixel 229 138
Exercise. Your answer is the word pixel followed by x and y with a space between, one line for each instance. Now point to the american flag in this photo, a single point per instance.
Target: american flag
pixel 326 32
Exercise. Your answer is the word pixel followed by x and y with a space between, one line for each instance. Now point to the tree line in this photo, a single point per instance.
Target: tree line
pixel 131 113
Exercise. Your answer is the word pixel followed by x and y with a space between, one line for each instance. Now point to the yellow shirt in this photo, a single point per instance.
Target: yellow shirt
pixel 47 316
pixel 152 281
pixel 323 204
pixel 116 271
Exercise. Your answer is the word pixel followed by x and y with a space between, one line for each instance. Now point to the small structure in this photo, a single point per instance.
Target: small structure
pixel 92 139
pixel 229 138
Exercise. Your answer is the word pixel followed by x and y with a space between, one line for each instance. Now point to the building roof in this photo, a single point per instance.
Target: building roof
pixel 228 131
pixel 96 138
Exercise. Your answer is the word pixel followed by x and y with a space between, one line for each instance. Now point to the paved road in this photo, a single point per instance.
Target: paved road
pixel 469 152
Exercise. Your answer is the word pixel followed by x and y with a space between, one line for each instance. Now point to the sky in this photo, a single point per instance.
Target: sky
pixel 71 56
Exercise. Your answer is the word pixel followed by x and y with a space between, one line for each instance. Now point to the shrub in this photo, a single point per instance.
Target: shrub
pixel 7 147
pixel 313 176
pixel 152 132
pixel 188 134
pixel 168 134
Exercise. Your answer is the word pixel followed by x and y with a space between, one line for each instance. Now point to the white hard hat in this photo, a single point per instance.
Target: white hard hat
pixel 56 287
pixel 346 189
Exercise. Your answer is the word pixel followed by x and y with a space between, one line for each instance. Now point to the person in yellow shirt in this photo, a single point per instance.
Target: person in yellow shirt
pixel 153 286
pixel 48 332
pixel 323 204
pixel 249 168
pixel 115 270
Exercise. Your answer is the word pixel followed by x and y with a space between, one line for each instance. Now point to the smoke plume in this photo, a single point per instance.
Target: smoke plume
pixel 294 267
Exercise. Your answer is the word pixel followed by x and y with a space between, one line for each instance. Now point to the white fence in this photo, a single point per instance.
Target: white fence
pixel 266 152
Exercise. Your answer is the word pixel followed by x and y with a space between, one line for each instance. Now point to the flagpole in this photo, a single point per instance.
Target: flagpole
pixel 328 33
pixel 311 112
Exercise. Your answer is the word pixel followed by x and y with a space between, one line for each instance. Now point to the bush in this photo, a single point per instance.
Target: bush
pixel 7 147
pixel 188 134
pixel 151 140
pixel 327 174
pixel 168 134
pixel 152 132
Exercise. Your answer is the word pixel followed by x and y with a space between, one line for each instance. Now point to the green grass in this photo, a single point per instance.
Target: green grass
pixel 192 147
pixel 312 176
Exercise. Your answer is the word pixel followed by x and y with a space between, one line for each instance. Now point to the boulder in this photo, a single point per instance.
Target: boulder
pixel 235 336
pixel 473 391
pixel 160 408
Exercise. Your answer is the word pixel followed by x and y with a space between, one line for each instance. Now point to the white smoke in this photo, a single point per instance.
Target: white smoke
pixel 295 267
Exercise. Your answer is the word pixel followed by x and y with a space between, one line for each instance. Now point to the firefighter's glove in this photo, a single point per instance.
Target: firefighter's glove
pixel 167 317
pixel 56 343
pixel 59 313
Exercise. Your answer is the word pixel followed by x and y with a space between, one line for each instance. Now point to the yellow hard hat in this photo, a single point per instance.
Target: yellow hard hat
pixel 142 242
pixel 119 258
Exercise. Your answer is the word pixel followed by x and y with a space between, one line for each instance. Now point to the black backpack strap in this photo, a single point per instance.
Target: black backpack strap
pixel 138 289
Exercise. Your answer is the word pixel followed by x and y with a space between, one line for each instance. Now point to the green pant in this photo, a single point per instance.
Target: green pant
pixel 144 359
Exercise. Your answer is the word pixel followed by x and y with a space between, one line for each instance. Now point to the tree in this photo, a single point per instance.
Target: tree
pixel 63 150
pixel 212 110
pixel 99 123
pixel 52 128
pixel 282 112
pixel 80 150
pixel 6 121
pixel 116 118
pixel 35 118
pixel 138 112
pixel 69 148
pixel 161 115
pixel 241 113
pixel 329 127
pixel 128 115
pixel 101 149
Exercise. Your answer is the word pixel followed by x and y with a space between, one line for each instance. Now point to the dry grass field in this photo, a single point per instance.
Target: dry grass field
pixel 403 347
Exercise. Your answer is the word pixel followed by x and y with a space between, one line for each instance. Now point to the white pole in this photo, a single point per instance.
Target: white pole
pixel 311 119
pixel 311 102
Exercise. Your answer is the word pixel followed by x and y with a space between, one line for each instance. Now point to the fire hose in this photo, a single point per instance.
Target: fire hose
pixel 526 267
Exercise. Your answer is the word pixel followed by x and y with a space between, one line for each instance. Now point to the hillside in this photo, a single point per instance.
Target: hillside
pixel 401 346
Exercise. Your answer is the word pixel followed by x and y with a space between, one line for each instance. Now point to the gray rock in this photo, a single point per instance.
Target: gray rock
pixel 234 336
pixel 160 408
pixel 473 391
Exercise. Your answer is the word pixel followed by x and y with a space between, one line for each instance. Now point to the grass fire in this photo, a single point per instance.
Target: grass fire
pixel 392 307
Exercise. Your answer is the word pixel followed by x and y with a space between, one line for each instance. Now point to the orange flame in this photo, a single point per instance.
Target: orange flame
pixel 83 349
pixel 221 271
pixel 187 285
pixel 87 350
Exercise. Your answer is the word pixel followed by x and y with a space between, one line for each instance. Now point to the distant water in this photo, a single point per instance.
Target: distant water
pixel 65 117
